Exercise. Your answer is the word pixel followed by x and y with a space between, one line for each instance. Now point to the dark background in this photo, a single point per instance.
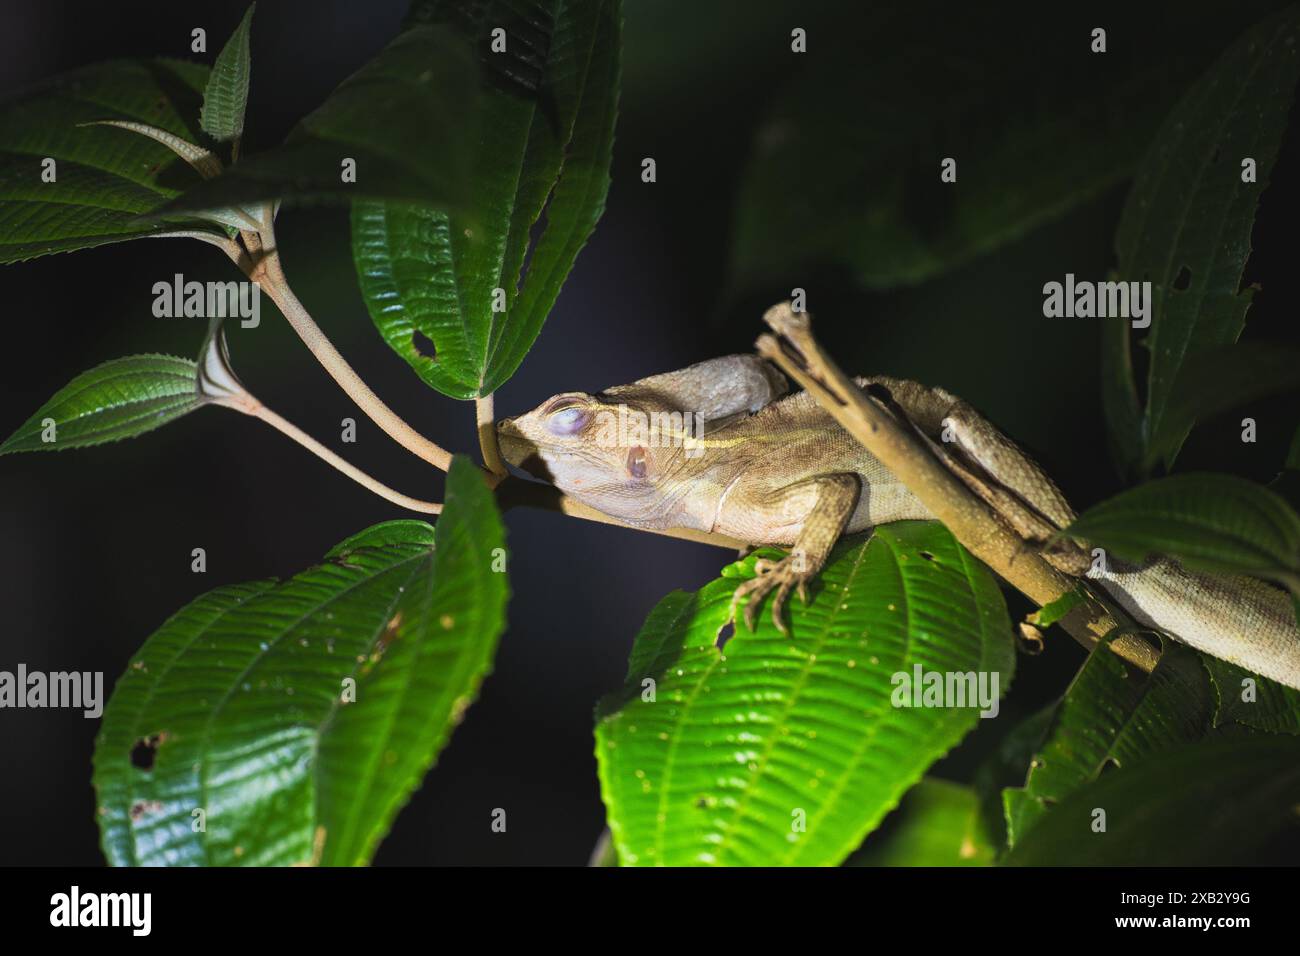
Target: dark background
pixel 96 543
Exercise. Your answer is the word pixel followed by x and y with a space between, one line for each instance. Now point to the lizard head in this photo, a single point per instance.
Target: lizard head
pixel 603 452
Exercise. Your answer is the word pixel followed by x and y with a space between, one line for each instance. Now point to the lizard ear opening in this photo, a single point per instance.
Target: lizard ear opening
pixel 636 461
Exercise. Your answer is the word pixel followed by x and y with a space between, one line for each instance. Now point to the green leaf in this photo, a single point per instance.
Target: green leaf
pixel 1111 716
pixel 1213 803
pixel 1215 380
pixel 236 707
pixel 740 746
pixel 1053 611
pixel 406 119
pixel 120 399
pixel 1125 422
pixel 1186 229
pixel 541 173
pixel 938 823
pixel 226 94
pixel 1252 700
pixel 105 177
pixel 1007 766
pixel 603 854
pixel 1209 522
pixel 1287 482
pixel 846 166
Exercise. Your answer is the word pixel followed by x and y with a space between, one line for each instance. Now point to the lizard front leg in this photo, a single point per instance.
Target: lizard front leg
pixel 825 504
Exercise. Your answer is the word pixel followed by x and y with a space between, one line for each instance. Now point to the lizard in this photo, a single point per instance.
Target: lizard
pixel 723 446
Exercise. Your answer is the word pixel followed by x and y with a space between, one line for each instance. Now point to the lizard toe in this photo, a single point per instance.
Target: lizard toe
pixel 778 605
pixel 780 576
pixel 751 609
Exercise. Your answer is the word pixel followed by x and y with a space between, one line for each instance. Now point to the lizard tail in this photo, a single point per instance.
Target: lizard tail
pixel 1237 619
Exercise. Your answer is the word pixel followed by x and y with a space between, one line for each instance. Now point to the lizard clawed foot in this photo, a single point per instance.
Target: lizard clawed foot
pixel 781 576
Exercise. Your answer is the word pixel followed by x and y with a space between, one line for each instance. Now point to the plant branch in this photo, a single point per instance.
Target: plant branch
pixel 485 418
pixel 262 265
pixel 967 516
pixel 514 493
pixel 248 405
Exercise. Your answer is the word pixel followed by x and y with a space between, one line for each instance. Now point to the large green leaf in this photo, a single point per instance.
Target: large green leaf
pixel 846 165
pixel 1112 716
pixel 1219 802
pixel 1253 700
pixel 236 707
pixel 541 173
pixel 937 824
pixel 226 94
pixel 120 399
pixel 105 177
pixel 742 745
pixel 1287 482
pixel 1008 766
pixel 1240 373
pixel 1186 229
pixel 406 118
pixel 1210 522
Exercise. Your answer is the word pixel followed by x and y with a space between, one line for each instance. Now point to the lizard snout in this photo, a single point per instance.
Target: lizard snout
pixel 508 431
pixel 518 449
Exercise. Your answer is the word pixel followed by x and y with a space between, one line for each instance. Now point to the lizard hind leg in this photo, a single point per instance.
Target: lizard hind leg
pixel 830 500
pixel 1001 473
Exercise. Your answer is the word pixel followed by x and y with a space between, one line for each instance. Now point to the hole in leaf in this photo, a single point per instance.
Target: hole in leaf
pixel 145 750
pixel 1184 279
pixel 724 634
pixel 424 345
pixel 927 555
pixel 535 232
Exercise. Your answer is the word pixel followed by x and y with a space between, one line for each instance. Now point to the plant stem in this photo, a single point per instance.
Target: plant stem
pixel 285 427
pixel 264 268
pixel 515 493
pixel 485 418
